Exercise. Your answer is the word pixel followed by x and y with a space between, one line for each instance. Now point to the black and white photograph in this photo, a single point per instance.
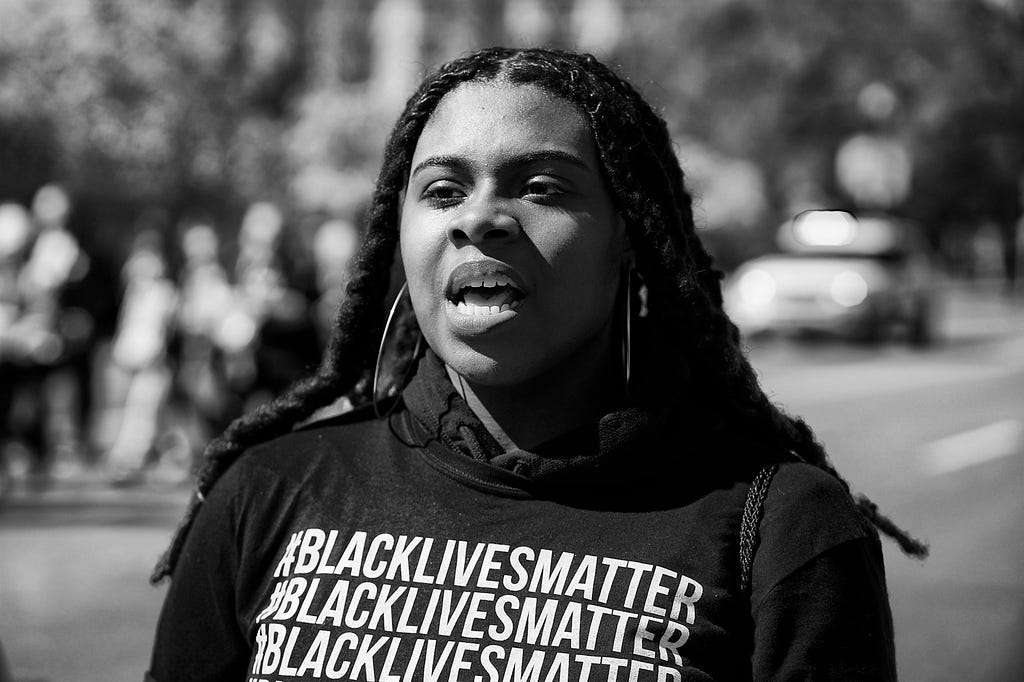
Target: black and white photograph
pixel 511 340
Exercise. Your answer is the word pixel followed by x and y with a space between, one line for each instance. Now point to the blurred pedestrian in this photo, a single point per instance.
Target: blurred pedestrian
pixel 564 489
pixel 22 342
pixel 139 377
pixel 284 341
pixel 206 330
pixel 49 336
pixel 334 248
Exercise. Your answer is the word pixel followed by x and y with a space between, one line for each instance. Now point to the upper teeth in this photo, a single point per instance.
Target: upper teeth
pixel 488 281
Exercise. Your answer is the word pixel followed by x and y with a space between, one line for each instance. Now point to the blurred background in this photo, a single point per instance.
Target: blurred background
pixel 181 187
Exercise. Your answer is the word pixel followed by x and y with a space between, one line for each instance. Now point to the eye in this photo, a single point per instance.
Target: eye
pixel 442 193
pixel 542 186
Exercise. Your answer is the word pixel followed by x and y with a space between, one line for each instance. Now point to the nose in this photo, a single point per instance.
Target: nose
pixel 483 219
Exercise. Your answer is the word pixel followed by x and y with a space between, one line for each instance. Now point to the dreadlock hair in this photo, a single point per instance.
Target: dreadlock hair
pixel 646 183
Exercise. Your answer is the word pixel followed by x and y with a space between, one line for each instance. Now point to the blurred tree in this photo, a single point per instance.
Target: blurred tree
pixel 175 103
pixel 781 84
pixel 969 129
pixel 27 156
pixel 208 105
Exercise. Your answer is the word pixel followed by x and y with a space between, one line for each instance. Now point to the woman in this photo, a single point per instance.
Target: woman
pixel 573 483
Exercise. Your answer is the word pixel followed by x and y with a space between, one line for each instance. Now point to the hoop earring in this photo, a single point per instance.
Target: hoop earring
pixel 380 355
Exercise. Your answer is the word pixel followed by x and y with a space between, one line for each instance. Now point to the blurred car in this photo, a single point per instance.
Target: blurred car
pixel 857 277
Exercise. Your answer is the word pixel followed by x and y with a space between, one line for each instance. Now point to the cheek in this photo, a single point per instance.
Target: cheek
pixel 415 248
pixel 415 267
pixel 588 256
pixel 420 263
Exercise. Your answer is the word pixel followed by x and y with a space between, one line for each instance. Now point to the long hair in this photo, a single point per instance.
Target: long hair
pixel 647 187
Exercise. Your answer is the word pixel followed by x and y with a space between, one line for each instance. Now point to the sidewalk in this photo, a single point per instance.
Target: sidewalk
pixel 88 497
pixel 982 309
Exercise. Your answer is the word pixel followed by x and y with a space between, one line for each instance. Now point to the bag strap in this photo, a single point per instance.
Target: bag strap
pixel 753 510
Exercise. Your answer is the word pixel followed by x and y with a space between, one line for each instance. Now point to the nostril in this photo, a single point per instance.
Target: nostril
pixel 474 226
pixel 461 236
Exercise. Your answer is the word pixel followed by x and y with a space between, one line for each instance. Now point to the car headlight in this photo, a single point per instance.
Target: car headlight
pixel 756 287
pixel 848 289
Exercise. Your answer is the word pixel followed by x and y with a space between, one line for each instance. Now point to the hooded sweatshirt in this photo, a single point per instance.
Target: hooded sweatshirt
pixel 414 547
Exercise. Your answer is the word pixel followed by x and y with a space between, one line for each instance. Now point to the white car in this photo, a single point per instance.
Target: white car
pixel 856 277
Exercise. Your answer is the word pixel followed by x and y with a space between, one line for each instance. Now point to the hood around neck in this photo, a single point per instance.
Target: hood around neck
pixel 633 443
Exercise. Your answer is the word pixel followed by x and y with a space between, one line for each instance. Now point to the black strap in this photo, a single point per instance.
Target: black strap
pixel 753 510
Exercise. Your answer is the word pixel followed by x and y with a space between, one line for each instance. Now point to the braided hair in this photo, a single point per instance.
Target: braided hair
pixel 647 187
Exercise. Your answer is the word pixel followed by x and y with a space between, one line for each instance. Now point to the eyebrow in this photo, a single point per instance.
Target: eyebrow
pixel 461 163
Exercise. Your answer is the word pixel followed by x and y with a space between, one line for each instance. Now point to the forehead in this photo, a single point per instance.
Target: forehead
pixel 483 119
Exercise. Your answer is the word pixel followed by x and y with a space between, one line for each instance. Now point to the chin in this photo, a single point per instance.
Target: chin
pixel 493 371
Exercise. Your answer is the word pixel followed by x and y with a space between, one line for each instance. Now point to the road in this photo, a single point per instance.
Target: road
pixel 75 605
pixel 936 438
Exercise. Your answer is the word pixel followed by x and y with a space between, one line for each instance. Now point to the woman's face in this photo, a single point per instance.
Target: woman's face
pixel 510 242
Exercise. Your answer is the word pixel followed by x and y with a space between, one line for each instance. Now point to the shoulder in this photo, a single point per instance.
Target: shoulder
pixel 818 595
pixel 294 476
pixel 807 512
pixel 799 490
pixel 316 451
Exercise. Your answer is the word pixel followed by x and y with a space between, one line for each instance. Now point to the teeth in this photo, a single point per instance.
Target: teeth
pixel 470 309
pixel 488 282
pixel 496 280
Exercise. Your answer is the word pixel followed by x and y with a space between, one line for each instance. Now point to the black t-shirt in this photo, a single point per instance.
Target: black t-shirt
pixel 386 550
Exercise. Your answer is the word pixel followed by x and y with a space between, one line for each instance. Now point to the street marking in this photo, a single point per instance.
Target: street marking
pixel 983 444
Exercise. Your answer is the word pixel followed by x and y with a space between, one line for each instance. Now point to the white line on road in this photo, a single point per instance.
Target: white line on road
pixel 959 451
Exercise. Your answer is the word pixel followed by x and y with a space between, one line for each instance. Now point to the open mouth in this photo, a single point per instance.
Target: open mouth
pixel 473 293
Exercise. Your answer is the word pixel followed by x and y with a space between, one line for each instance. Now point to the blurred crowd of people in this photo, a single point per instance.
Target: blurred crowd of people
pixel 194 337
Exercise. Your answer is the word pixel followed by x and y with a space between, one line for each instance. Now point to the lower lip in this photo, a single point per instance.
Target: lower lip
pixel 477 324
